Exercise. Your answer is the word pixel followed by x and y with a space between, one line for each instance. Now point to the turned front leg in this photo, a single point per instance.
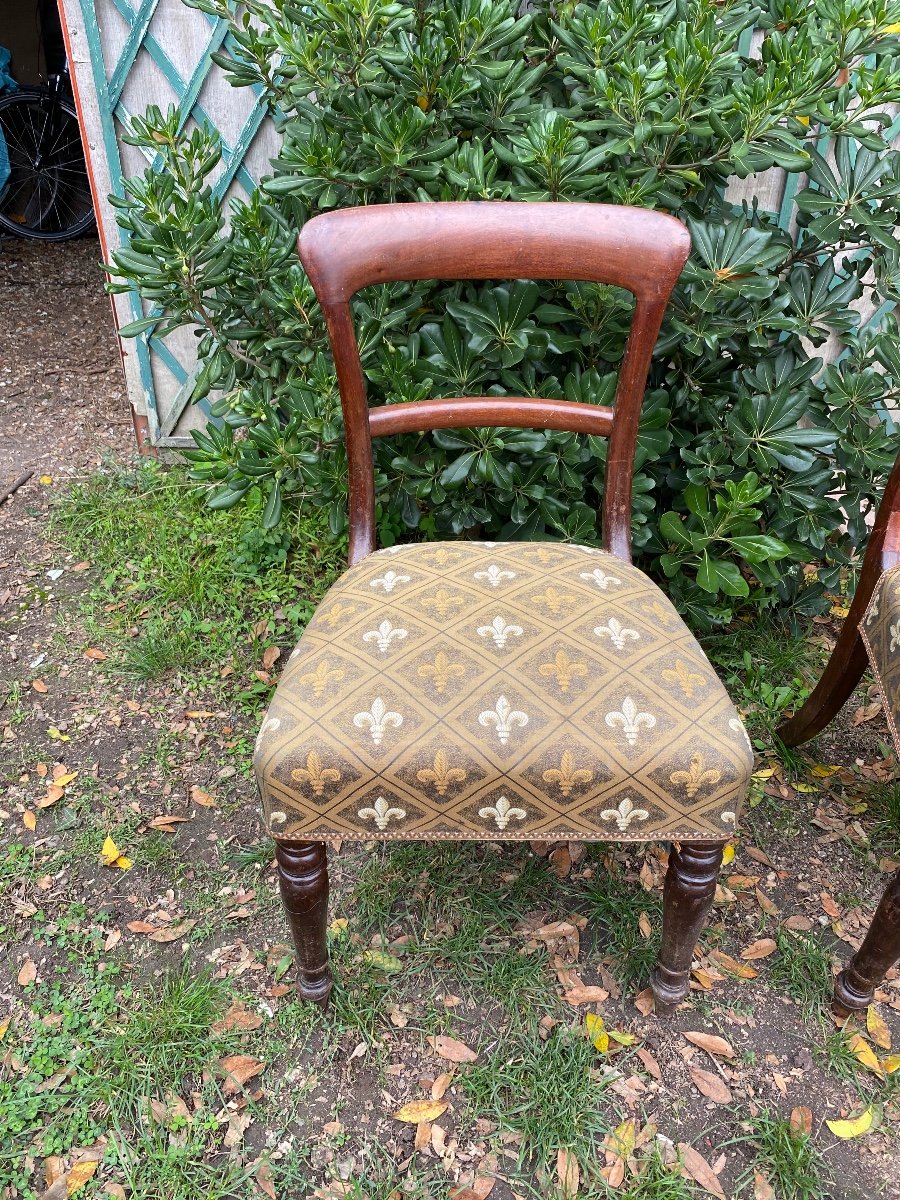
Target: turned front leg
pixel 855 987
pixel 303 879
pixel 688 894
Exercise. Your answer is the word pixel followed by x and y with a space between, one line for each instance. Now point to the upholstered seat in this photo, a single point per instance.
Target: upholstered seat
pixel 473 690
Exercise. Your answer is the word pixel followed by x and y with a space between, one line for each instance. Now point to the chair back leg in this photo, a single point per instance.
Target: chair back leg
pixel 854 988
pixel 688 894
pixel 303 879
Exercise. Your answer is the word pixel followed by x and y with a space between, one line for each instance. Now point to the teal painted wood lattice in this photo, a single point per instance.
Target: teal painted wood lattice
pixel 110 79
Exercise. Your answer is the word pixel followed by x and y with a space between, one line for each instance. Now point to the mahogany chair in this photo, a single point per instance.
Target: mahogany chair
pixel 870 634
pixel 503 691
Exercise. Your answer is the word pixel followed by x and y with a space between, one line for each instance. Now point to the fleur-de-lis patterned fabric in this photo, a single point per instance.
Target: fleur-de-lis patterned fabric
pixel 509 691
pixel 880 631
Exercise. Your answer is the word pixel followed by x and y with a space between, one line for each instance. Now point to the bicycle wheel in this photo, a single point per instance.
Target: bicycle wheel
pixel 47 195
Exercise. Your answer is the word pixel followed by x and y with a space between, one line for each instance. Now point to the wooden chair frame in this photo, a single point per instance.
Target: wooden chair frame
pixel 854 988
pixel 640 250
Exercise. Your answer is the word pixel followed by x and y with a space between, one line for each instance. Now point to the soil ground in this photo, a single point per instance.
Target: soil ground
pixel 105 966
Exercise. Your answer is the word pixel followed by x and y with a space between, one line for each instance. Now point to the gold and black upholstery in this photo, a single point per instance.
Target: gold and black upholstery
pixel 500 691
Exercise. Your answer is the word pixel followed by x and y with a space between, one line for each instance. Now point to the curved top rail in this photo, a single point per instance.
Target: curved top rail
pixel 351 248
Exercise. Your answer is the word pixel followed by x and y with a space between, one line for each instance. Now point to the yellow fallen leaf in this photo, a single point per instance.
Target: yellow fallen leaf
pixel 109 852
pixel 824 770
pixel 421 1110
pixel 337 926
pixel 728 854
pixel 29 820
pixel 62 780
pixel 4 1025
pixel 890 1064
pixel 853 1128
pixel 765 773
pixel 864 1053
pixel 624 1039
pixel 805 787
pixel 46 480
pixel 388 964
pixel 111 856
pixel 54 733
pixel 623 1138
pixel 597 1032
pixel 878 1031
pixel 79 1175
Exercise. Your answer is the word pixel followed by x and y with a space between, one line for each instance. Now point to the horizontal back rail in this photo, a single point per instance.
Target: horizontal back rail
pixel 464 412
pixel 633 248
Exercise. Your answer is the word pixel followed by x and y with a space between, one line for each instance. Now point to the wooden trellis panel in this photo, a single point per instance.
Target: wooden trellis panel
pixel 124 55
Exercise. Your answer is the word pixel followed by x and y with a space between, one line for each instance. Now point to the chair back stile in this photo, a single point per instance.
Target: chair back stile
pixel 637 249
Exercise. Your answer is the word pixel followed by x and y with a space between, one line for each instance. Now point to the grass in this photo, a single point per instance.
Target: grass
pixel 615 905
pixel 884 807
pixel 803 970
pixel 789 1160
pixel 768 669
pixel 183 588
pixel 547 1094
pixel 166 1038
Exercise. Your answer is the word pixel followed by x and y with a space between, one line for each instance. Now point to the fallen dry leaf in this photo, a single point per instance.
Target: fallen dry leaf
pixel 171 933
pixel 112 857
pixel 586 994
pixel 440 1085
pixel 79 1175
pixel 711 1043
pixel 864 1054
pixel 93 653
pixel 762 1189
pixel 761 948
pixel 801 1120
pixel 39 686
pixel 423 1135
pixel 650 1064
pixel 421 1110
pixel 452 1049
pixel 202 798
pixel 29 820
pixel 878 1031
pixel 561 862
pixel 568 1173
pixel 237 1017
pixel 643 1002
pixel 270 657
pixel 27 972
pixel 710 1085
pixel 829 905
pixel 238 1069
pixel 731 966
pixel 695 1166
pixel 54 793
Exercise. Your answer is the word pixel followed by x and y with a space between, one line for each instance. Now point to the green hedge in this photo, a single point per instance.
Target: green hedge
pixel 746 435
